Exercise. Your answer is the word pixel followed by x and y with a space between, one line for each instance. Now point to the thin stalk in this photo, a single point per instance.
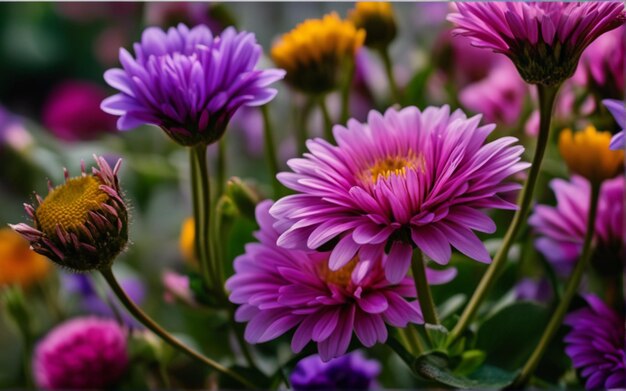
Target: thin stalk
pixel 547 97
pixel 424 296
pixel 328 122
pixel 220 169
pixel 270 150
pixel 393 86
pixel 570 290
pixel 141 316
pixel 242 343
pixel 302 131
pixel 345 93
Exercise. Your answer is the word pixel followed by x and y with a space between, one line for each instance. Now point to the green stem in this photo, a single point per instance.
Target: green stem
pixel 302 131
pixel 328 122
pixel 167 337
pixel 393 86
pixel 570 290
pixel 397 347
pixel 220 174
pixel 424 296
pixel 242 342
pixel 345 93
pixel 547 97
pixel 270 150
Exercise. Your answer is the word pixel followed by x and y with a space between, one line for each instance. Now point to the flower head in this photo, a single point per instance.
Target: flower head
pixel 18 264
pixel 82 224
pixel 72 111
pixel 617 108
pixel 587 154
pixel 188 82
pixel 377 19
pixel 603 64
pixel 595 345
pixel 280 289
pixel 316 52
pixel 403 179
pixel 562 228
pixel 350 372
pixel 82 353
pixel 543 39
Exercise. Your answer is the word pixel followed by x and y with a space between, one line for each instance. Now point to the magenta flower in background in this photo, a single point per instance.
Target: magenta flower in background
pixel 189 82
pixel 280 289
pixel 562 228
pixel 543 39
pixel 350 372
pixel 82 353
pixel 603 65
pixel 595 345
pixel 617 108
pixel 403 179
pixel 168 13
pixel 499 97
pixel 177 287
pixel 72 111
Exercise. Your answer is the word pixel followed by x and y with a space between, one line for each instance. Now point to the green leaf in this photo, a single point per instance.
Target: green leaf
pixel 471 360
pixel 509 336
pixel 437 335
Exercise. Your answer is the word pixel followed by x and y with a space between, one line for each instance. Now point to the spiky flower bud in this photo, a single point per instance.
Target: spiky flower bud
pixel 81 224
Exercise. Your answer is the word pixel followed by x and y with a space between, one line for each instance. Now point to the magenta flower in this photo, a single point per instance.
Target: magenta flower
pixel 82 353
pixel 188 82
pixel 617 108
pixel 543 39
pixel 280 289
pixel 596 345
pixel 405 179
pixel 72 112
pixel 350 372
pixel 603 63
pixel 562 228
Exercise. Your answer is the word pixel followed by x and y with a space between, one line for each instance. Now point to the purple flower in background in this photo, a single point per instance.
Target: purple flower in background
pixel 616 107
pixel 543 39
pixel 82 353
pixel 403 179
pixel 533 290
pixel 499 97
pixel 603 63
pixel 177 288
pixel 168 13
pixel 189 82
pixel 72 111
pixel 82 286
pixel 280 289
pixel 350 372
pixel 12 131
pixel 562 228
pixel 595 345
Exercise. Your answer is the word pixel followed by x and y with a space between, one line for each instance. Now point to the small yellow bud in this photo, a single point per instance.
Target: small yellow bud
pixel 377 19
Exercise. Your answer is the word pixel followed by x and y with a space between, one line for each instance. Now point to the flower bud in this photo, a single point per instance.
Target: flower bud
pixel 243 196
pixel 377 19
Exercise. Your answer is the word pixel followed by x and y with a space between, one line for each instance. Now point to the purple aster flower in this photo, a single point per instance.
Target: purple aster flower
pixel 562 228
pixel 602 64
pixel 72 111
pixel 499 97
pixel 188 82
pixel 403 179
pixel 280 289
pixel 350 372
pixel 533 290
pixel 82 353
pixel 543 39
pixel 595 345
pixel 617 108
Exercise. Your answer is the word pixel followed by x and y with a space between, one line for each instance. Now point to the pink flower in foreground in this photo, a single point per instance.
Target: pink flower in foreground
pixel 82 353
pixel 543 39
pixel 280 289
pixel 404 179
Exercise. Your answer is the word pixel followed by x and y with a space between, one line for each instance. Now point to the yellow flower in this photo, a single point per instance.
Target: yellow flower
pixel 377 19
pixel 316 52
pixel 186 243
pixel 587 153
pixel 18 263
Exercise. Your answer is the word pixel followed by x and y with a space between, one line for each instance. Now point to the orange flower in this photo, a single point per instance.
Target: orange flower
pixel 18 263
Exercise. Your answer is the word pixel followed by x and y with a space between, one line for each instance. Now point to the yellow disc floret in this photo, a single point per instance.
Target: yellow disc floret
pixel 341 277
pixel 69 204
pixel 18 263
pixel 394 165
pixel 587 153
pixel 377 19
pixel 313 53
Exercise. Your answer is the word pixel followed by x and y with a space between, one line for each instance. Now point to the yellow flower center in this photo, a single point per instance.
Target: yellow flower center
pixel 341 277
pixel 18 263
pixel 587 153
pixel 394 165
pixel 69 204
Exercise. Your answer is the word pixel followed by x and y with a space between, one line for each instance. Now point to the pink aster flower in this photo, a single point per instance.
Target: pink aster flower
pixel 403 179
pixel 543 39
pixel 280 289
pixel 595 345
pixel 82 353
pixel 562 228
pixel 602 65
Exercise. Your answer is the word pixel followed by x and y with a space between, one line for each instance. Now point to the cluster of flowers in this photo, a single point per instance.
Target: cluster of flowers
pixel 348 252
